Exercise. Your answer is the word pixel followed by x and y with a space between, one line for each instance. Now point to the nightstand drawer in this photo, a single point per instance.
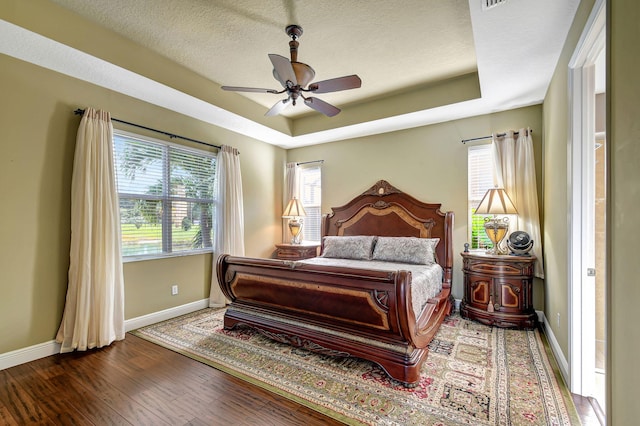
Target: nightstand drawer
pixel 501 267
pixel 296 251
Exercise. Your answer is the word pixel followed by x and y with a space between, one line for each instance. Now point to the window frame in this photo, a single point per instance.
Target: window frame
pixel 165 198
pixel 308 206
pixel 476 222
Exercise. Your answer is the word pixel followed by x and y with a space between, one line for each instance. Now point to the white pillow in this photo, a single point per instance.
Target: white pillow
pixel 419 251
pixel 348 247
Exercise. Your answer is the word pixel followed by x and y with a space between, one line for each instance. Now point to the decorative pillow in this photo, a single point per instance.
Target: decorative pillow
pixel 419 251
pixel 352 247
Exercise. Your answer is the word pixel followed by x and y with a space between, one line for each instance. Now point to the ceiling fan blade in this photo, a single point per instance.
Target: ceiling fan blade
pixel 278 107
pixel 321 106
pixel 282 70
pixel 336 84
pixel 248 89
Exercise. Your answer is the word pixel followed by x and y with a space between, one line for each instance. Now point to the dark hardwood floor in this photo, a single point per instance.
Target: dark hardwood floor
pixel 137 382
pixel 589 415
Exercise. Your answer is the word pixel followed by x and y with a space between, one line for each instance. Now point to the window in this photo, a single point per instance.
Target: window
pixel 166 196
pixel 480 165
pixel 310 182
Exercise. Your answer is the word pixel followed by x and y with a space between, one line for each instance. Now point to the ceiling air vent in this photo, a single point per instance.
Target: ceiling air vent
pixel 488 4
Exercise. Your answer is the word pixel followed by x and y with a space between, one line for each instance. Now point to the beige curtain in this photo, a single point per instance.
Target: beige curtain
pixel 290 190
pixel 228 237
pixel 94 309
pixel 514 170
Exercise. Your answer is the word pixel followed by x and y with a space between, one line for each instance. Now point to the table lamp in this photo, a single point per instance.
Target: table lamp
pixel 294 212
pixel 496 201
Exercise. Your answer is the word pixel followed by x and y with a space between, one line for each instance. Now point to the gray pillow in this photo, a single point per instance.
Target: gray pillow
pixel 419 251
pixel 349 247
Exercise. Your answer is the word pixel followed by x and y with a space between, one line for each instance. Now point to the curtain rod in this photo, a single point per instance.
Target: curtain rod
pixel 171 135
pixel 310 162
pixel 489 137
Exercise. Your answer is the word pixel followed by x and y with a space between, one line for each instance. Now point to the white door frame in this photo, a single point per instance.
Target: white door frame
pixel 581 172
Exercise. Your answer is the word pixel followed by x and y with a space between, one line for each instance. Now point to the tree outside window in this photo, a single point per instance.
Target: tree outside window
pixel 166 196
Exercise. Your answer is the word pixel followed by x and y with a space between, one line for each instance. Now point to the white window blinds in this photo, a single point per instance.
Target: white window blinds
pixel 166 196
pixel 480 169
pixel 310 181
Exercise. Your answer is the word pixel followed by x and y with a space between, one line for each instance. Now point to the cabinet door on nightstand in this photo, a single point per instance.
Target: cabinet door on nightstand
pixel 478 290
pixel 510 296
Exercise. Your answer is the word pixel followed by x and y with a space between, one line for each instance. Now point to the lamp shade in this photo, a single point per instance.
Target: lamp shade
pixel 496 201
pixel 294 209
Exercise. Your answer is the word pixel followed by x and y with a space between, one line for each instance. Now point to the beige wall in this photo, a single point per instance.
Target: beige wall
pixel 35 175
pixel 623 124
pixel 556 207
pixel 428 162
pixel 623 149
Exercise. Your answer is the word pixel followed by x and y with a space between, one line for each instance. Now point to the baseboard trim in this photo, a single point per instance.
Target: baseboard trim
pixel 563 364
pixel 144 320
pixel 42 350
pixel 31 353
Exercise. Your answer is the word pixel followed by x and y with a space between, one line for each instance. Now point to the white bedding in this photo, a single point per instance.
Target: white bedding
pixel 426 280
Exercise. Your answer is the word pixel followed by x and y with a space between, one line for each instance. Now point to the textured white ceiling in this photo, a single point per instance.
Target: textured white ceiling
pixel 391 45
pixel 395 46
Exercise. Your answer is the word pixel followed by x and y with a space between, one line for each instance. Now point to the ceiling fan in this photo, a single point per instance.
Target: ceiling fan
pixel 295 76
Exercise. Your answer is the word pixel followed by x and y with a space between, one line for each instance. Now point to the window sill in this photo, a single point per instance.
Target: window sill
pixel 141 258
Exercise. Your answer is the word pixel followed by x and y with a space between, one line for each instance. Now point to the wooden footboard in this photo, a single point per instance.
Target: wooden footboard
pixel 335 311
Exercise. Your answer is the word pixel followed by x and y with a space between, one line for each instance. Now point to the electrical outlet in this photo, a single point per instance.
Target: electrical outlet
pixel 174 289
pixel 558 319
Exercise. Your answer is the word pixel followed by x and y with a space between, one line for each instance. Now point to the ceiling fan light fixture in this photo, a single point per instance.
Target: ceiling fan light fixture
pixel 304 73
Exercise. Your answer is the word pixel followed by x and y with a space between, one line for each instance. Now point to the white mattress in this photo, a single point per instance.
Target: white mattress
pixel 426 280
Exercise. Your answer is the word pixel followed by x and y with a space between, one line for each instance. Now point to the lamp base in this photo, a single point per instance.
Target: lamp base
pixel 496 229
pixel 295 227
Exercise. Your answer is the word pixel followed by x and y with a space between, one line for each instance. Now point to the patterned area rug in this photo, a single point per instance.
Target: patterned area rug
pixel 474 374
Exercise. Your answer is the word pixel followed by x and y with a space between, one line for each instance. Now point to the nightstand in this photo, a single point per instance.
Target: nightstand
pixel 498 290
pixel 287 251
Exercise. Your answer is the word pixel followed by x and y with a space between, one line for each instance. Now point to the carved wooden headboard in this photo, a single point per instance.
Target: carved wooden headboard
pixel 384 210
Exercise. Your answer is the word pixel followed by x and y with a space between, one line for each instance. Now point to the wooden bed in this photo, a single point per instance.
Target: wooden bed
pixel 346 311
